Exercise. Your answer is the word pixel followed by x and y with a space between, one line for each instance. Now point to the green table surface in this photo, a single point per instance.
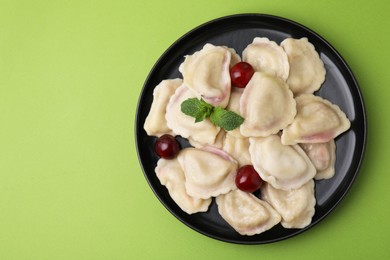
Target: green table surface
pixel 71 186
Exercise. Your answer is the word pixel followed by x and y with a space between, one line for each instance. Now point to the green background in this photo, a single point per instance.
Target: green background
pixel 71 186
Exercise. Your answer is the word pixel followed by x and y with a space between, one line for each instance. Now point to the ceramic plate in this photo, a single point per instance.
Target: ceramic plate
pixel 340 87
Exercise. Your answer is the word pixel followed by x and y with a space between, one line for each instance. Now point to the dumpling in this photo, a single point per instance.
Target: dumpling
pixel 246 213
pixel 307 71
pixel 267 56
pixel 206 73
pixel 267 104
pixel 171 175
pixel 284 167
pixel 296 207
pixel 155 123
pixel 323 157
pixel 317 121
pixel 209 171
pixel 238 148
pixel 203 132
pixel 218 143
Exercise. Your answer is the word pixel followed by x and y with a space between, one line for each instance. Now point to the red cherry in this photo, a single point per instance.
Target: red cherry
pixel 247 179
pixel 241 73
pixel 166 147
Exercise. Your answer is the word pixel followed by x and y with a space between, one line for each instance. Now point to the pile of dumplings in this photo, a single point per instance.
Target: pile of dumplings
pixel 287 135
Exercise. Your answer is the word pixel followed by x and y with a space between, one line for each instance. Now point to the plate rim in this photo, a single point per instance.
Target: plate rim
pixel 355 87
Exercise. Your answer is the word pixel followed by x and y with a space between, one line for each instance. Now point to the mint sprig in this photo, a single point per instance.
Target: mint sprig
pixel 200 110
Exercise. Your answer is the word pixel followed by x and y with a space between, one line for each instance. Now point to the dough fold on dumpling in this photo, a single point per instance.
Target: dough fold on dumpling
pixel 238 148
pixel 283 166
pixel 209 171
pixel 203 132
pixel 246 213
pixel 267 104
pixel 218 142
pixel 307 71
pixel 296 206
pixel 267 56
pixel 206 73
pixel 171 175
pixel 317 121
pixel 155 123
pixel 323 157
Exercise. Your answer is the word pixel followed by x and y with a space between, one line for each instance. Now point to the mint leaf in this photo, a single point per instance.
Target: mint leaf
pixel 190 107
pixel 226 119
pixel 196 108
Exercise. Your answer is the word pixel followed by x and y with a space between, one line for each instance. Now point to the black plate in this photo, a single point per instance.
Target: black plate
pixel 340 87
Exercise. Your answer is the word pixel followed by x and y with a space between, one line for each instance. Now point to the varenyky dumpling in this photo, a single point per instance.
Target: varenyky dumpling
pixel 155 123
pixel 171 175
pixel 267 56
pixel 209 171
pixel 238 148
pixel 218 142
pixel 246 213
pixel 323 157
pixel 307 71
pixel 317 121
pixel 206 73
pixel 283 166
pixel 296 206
pixel 267 104
pixel 181 124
